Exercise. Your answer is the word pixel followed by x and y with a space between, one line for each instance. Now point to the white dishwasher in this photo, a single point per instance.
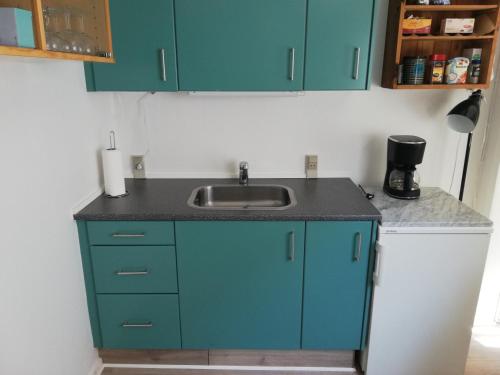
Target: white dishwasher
pixel 426 285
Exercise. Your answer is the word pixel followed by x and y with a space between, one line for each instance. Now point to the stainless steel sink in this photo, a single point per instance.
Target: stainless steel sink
pixel 242 197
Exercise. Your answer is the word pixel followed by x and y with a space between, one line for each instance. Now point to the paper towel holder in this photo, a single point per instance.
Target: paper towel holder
pixel 117 196
pixel 112 146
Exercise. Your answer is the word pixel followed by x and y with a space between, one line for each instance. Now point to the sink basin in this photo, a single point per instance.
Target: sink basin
pixel 242 197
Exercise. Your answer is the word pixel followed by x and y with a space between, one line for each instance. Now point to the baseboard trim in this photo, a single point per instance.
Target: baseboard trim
pixel 235 368
pixel 97 367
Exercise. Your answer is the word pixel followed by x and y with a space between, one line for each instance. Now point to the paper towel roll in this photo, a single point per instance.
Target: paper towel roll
pixel 114 181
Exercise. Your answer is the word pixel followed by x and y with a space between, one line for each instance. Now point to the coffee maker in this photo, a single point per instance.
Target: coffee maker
pixel 404 152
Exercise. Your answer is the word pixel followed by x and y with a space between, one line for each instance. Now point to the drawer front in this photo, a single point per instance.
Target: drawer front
pixel 131 232
pixel 137 321
pixel 134 269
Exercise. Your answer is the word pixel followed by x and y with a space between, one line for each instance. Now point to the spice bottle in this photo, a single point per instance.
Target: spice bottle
pixel 437 65
pixel 474 72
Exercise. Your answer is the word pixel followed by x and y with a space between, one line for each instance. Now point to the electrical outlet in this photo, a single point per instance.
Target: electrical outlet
pixel 311 166
pixel 138 166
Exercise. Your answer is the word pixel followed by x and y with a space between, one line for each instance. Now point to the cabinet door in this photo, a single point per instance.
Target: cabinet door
pixel 240 45
pixel 335 284
pixel 144 48
pixel 338 44
pixel 240 284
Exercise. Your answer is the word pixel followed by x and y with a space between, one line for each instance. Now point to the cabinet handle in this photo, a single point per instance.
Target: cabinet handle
pixel 139 325
pixel 378 264
pixel 291 246
pixel 163 57
pixel 292 64
pixel 357 56
pixel 359 245
pixel 128 235
pixel 132 273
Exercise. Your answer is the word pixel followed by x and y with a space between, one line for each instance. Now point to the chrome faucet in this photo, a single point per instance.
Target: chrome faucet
pixel 243 173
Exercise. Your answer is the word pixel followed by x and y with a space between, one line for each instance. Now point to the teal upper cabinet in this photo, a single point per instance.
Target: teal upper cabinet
pixel 144 47
pixel 339 34
pixel 240 284
pixel 240 45
pixel 335 284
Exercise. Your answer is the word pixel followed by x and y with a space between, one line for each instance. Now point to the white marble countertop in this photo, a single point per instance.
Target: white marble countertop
pixel 434 208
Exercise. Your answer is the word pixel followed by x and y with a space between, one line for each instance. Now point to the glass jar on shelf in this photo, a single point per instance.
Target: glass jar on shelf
pixel 53 22
pixel 87 44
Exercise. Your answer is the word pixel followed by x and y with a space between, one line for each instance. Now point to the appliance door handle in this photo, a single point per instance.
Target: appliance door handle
pixel 292 64
pixel 357 57
pixel 291 246
pixel 163 58
pixel 378 263
pixel 359 246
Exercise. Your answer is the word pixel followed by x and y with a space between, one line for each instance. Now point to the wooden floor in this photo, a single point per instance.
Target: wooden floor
pixel 484 355
pixel 484 359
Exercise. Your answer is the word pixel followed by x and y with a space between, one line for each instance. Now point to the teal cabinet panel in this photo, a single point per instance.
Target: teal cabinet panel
pixel 134 269
pixel 240 45
pixel 369 286
pixel 336 269
pixel 144 49
pixel 131 232
pixel 338 44
pixel 139 321
pixel 89 283
pixel 240 284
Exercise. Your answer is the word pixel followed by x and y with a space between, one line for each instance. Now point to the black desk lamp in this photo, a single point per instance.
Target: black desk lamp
pixel 463 119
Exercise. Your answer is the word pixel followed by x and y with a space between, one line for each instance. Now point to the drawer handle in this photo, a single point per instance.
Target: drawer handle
pixel 378 264
pixel 359 245
pixel 138 325
pixel 128 235
pixel 291 246
pixel 132 273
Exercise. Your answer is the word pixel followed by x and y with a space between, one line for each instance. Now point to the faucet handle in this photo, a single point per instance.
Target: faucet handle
pixel 244 165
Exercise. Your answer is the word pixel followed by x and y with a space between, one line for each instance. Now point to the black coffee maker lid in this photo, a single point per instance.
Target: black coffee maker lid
pixel 407 139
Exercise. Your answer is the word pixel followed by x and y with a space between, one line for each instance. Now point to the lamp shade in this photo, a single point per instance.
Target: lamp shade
pixel 464 117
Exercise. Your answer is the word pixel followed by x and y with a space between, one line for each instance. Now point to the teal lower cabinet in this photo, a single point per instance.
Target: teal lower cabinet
pixel 228 284
pixel 335 284
pixel 240 284
pixel 134 269
pixel 139 321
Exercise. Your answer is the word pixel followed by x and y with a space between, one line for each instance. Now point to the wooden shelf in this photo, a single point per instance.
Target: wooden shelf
pixel 399 46
pixel 31 52
pixel 450 38
pixel 467 86
pixel 448 8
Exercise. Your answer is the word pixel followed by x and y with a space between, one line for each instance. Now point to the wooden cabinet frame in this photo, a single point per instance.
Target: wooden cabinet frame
pixel 40 50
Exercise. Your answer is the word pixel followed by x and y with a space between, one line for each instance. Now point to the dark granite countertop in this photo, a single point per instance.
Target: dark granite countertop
pixel 166 199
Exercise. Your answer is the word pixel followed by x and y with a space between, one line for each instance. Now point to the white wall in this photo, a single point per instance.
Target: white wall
pixel 50 131
pixel 488 203
pixel 189 136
